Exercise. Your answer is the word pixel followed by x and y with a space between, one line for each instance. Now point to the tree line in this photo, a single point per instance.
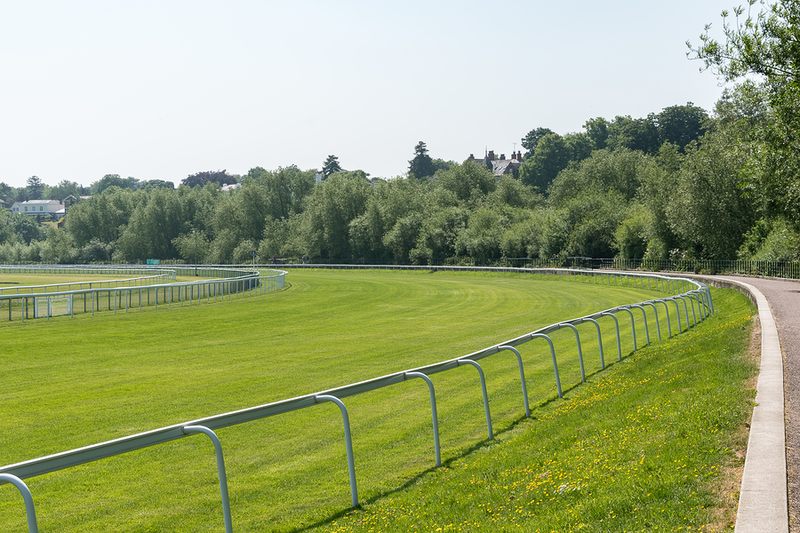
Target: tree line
pixel 680 183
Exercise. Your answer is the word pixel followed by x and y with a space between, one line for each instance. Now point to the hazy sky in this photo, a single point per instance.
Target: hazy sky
pixel 162 89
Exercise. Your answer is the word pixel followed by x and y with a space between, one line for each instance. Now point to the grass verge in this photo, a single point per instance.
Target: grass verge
pixel 646 445
pixel 72 382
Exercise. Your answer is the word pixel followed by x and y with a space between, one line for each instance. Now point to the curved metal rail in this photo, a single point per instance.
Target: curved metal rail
pixel 15 473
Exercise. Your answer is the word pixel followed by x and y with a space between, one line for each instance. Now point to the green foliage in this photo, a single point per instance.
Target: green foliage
pixel 57 248
pixel 63 189
pixel 192 247
pixel 216 177
pixel 677 183
pixel 761 41
pixel 330 166
pixel 480 240
pixel 470 183
pixel 634 233
pixel 551 155
pixel 114 180
pixel 532 139
pixel 330 209
pixel 710 212
pixel 618 170
pixel 592 217
pixel 681 124
pixel 34 188
pixel 421 166
pixel 634 134
pixel 771 240
pixel 103 216
pixel 597 130
pixel 152 228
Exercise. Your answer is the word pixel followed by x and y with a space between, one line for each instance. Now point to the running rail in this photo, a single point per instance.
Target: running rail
pixel 701 294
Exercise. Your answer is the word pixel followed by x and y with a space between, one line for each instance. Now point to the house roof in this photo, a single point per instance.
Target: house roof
pixel 39 202
pixel 504 166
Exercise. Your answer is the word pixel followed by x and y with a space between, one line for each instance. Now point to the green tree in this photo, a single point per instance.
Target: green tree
pixel 634 233
pixel 634 133
pixel 763 43
pixel 153 228
pixel 34 188
pixel 421 166
pixel 63 189
pixel 113 180
pixel 480 240
pixel 26 229
pixel 192 247
pixel 201 179
pixel 330 209
pixel 330 166
pixel 58 247
pixel 597 130
pixel 551 155
pixel 709 210
pixel 618 170
pixel 103 216
pixel 681 124
pixel 469 182
pixel 533 137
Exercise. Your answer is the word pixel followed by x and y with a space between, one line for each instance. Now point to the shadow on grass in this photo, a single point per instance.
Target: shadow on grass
pixel 485 443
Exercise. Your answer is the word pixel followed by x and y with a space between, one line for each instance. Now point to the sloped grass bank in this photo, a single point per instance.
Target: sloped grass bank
pixel 73 382
pixel 653 443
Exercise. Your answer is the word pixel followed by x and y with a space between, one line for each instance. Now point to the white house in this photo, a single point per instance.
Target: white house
pixel 45 208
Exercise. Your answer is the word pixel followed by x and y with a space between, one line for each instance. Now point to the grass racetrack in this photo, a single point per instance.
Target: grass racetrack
pixel 641 446
pixel 17 279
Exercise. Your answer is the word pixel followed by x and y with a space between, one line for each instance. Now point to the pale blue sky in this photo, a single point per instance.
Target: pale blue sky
pixel 162 89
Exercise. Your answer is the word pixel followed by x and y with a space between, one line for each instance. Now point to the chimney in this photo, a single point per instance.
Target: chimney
pixel 491 155
pixel 502 157
pixel 471 157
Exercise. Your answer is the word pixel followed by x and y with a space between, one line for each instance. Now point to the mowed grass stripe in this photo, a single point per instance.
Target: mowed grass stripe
pixel 652 444
pixel 111 375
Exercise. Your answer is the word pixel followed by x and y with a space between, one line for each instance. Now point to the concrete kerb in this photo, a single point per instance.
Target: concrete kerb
pixel 763 495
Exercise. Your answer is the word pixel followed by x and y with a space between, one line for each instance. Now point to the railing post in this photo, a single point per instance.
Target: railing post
pixel 27 497
pixel 644 319
pixel 580 349
pixel 633 326
pixel 678 312
pixel 490 432
pixel 686 311
pixel 655 312
pixel 691 303
pixel 521 377
pixel 710 299
pixel 223 478
pixel 436 446
pixel 666 310
pixel 701 302
pixel 616 327
pixel 553 356
pixel 348 443
pixel 599 342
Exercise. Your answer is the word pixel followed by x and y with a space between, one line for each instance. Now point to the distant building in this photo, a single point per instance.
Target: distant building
pixel 499 166
pixel 44 208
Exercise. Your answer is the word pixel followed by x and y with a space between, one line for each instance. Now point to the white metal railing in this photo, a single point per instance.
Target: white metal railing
pixel 130 293
pixel 144 276
pixel 696 304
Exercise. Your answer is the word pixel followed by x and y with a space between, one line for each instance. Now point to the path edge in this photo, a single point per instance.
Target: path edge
pixel 763 494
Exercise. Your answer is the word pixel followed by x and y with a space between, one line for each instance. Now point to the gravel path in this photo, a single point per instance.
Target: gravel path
pixel 784 299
